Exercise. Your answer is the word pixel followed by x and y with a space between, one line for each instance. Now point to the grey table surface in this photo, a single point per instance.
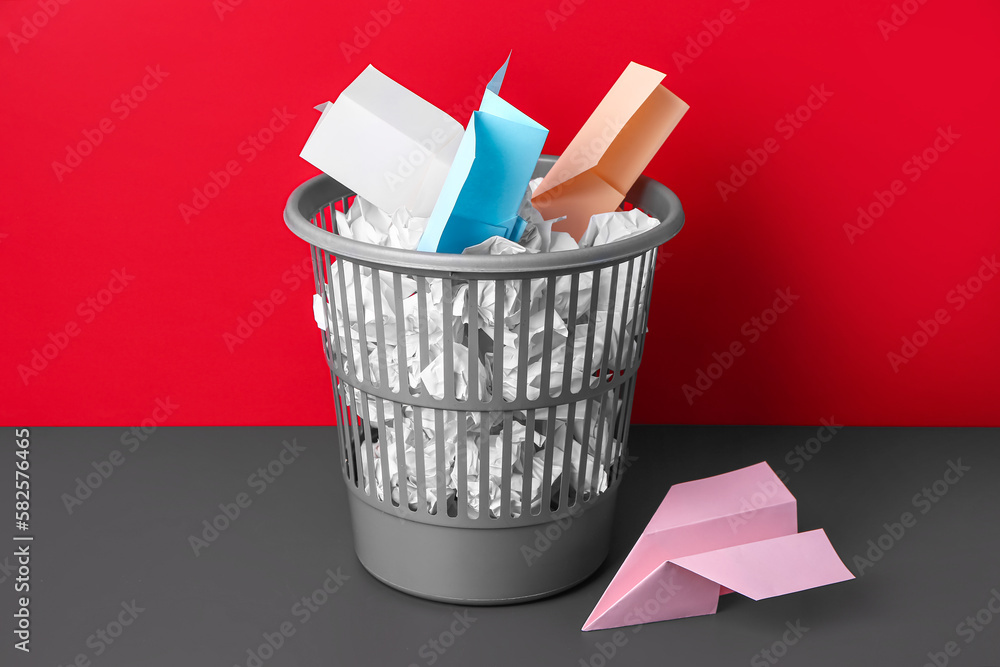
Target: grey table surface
pixel 115 579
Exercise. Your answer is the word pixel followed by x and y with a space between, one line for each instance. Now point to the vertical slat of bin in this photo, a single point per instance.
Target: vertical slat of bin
pixel 628 309
pixel 521 388
pixel 529 462
pixel 423 506
pixel 632 294
pixel 567 470
pixel 377 377
pixel 348 349
pixel 450 393
pixel 567 395
pixel 588 355
pixel 448 349
pixel 525 338
pixel 362 334
pixel 472 301
pixel 496 399
pixel 441 477
pixel 366 443
pixel 382 372
pixel 322 277
pixel 546 482
pixel 601 461
pixel 521 372
pixel 569 372
pixel 402 354
pixel 506 463
pixel 423 358
pixel 624 414
pixel 424 355
pixel 545 391
pixel 500 315
pixel 404 496
pixel 344 419
pixel 484 467
pixel 635 330
pixel 602 371
pixel 384 450
pixel 648 295
pixel 462 468
pixel 346 447
pixel 477 295
pixel 395 299
pixel 582 473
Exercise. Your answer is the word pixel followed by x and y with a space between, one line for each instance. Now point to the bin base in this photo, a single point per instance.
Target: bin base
pixel 482 566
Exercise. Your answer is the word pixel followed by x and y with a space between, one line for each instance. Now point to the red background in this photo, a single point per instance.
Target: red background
pixel 162 336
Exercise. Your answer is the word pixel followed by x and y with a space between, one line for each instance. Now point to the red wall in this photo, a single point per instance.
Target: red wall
pixel 889 91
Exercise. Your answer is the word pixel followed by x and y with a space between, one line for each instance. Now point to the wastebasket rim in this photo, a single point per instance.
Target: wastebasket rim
pixel 314 194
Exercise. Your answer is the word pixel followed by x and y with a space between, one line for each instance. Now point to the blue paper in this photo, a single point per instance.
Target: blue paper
pixel 482 193
pixel 497 80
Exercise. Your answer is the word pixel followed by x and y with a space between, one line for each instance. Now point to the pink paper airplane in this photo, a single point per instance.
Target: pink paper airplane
pixel 732 532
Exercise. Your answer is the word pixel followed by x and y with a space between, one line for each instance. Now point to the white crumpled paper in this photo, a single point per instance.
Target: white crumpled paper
pixel 379 362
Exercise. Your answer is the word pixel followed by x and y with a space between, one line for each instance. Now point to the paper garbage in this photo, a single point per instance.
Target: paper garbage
pixel 481 195
pixel 594 327
pixel 611 150
pixel 386 143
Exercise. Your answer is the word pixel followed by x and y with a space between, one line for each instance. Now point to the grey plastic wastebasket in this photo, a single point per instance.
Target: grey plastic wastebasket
pixel 537 435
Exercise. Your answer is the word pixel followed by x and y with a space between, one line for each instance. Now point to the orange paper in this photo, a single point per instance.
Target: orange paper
pixel 610 151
